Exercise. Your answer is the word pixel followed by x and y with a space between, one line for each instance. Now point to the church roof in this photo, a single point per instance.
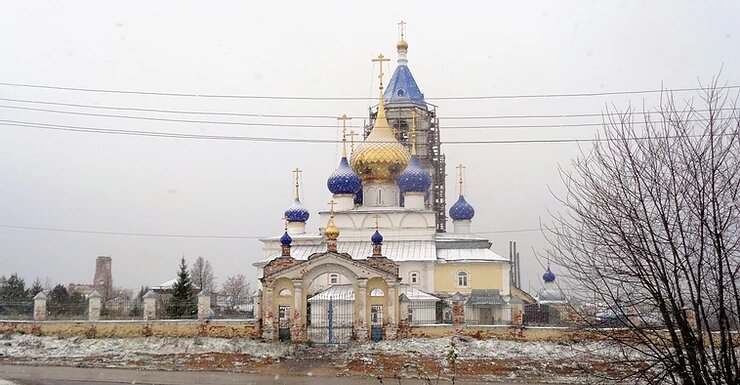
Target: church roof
pixel 402 89
pixel 415 294
pixel 463 255
pixel 394 250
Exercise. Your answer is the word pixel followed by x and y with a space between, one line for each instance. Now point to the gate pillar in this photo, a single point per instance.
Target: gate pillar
pixel 361 321
pixel 297 325
pixel 268 322
pixel 391 331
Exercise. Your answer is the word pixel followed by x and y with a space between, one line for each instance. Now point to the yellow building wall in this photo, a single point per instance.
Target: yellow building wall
pixel 480 276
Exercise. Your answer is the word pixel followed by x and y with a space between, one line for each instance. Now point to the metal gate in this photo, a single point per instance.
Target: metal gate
pixel 376 322
pixel 330 321
pixel 284 323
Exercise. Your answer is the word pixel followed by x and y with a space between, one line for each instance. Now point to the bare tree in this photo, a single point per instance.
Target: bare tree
pixel 202 275
pixel 236 289
pixel 651 232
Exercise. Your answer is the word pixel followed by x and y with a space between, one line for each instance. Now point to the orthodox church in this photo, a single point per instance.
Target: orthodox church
pixel 384 221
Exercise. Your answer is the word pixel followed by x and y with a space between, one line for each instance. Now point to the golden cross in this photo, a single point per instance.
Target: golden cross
pixel 297 176
pixel 344 118
pixel 377 221
pixel 352 135
pixel 402 29
pixel 413 132
pixel 461 169
pixel 332 203
pixel 380 61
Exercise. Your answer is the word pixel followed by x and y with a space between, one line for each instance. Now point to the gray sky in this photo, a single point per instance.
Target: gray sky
pixel 114 183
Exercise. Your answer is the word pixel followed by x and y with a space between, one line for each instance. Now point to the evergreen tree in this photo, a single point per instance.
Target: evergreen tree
pixel 14 289
pixel 35 288
pixel 183 303
pixel 58 300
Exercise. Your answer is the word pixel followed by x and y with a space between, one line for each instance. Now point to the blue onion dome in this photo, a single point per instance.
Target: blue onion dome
pixel 377 238
pixel 461 210
pixel 548 276
pixel 413 178
pixel 296 212
pixel 343 180
pixel 285 240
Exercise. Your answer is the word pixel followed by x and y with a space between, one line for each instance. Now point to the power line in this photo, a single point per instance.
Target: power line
pixel 292 125
pixel 194 236
pixel 305 116
pixel 339 98
pixel 60 127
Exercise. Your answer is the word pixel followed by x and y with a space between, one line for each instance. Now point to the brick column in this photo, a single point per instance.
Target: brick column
pixel 297 327
pixel 150 305
pixel 204 305
pixel 39 306
pixel 391 330
pixel 361 329
pixel 94 304
pixel 268 328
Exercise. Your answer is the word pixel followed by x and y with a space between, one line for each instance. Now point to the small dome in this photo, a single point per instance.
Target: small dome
pixel 343 180
pixel 377 238
pixel 548 276
pixel 331 231
pixel 402 45
pixel 285 240
pixel 413 178
pixel 296 212
pixel 461 210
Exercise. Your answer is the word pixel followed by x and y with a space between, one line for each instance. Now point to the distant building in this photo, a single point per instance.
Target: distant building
pixel 102 280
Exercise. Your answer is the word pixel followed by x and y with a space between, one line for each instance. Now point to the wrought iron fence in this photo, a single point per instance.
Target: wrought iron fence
pixel 16 310
pixel 226 307
pixel 427 313
pixel 70 310
pixel 168 308
pixel 122 309
pixel 488 315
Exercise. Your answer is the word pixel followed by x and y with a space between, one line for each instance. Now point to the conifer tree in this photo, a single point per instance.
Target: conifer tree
pixel 183 302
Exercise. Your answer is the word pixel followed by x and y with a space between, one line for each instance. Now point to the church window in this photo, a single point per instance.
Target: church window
pixel 400 92
pixel 462 279
pixel 380 197
pixel 333 278
pixel 285 293
pixel 414 277
pixel 377 293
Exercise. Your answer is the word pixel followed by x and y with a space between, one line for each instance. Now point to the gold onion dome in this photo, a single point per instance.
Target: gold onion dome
pixel 331 231
pixel 402 45
pixel 380 158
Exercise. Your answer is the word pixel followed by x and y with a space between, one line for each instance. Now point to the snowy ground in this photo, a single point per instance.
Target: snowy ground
pixel 493 360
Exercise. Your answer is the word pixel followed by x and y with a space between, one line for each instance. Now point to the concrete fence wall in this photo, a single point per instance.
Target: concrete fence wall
pixel 124 329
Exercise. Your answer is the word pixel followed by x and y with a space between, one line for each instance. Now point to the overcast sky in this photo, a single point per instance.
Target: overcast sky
pixel 130 184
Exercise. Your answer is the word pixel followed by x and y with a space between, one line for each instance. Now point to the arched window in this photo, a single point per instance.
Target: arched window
pixel 285 293
pixel 414 278
pixel 462 279
pixel 380 197
pixel 377 293
pixel 333 278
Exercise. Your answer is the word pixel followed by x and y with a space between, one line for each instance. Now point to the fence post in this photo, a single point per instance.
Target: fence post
pixel 257 305
pixel 150 305
pixel 39 306
pixel 516 307
pixel 204 304
pixel 94 305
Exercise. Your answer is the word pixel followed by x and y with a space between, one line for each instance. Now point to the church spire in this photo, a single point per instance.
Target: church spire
pixel 402 45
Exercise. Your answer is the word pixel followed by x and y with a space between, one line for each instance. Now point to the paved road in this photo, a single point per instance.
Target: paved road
pixel 36 375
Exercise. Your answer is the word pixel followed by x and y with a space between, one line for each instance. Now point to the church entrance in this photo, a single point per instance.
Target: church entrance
pixel 330 321
pixel 330 298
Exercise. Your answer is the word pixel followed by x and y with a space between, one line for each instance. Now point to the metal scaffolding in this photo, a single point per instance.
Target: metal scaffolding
pixel 428 147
